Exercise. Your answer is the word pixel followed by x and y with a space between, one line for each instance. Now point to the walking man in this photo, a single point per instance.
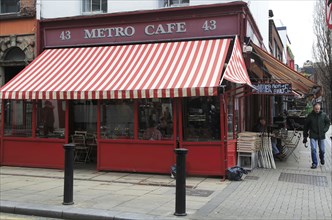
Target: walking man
pixel 316 125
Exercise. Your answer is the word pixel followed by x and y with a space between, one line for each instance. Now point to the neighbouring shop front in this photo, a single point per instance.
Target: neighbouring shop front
pixel 136 88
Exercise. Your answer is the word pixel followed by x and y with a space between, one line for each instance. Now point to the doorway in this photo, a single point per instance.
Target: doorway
pixel 83 131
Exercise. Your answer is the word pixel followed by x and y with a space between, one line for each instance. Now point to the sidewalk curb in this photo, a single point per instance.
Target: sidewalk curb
pixel 66 212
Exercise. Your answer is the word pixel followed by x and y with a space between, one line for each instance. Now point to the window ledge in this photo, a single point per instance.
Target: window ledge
pixel 177 5
pixel 93 12
pixel 11 16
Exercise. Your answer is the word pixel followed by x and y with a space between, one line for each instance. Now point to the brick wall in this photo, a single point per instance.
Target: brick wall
pixel 28 3
pixel 28 7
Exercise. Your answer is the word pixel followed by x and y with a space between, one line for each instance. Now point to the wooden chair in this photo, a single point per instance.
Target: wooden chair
pixel 91 142
pixel 82 151
pixel 81 132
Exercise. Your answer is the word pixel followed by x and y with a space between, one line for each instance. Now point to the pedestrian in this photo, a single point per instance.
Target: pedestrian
pixel 316 125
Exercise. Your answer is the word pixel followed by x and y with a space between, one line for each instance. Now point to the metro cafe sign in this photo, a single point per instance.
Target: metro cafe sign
pixel 92 34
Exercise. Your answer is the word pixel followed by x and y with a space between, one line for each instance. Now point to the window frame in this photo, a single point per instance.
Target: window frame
pixel 171 3
pixel 87 7
pixel 201 122
pixel 18 2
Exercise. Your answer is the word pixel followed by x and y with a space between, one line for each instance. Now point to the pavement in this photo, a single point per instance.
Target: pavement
pixel 291 191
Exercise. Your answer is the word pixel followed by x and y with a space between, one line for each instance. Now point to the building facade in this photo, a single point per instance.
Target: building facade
pixel 136 85
pixel 186 111
pixel 51 9
pixel 17 37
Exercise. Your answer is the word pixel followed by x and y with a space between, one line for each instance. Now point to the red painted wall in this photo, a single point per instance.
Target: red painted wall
pixel 204 159
pixel 33 153
pixel 149 156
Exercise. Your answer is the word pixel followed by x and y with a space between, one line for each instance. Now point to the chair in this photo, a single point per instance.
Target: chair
pixel 82 151
pixel 81 132
pixel 91 142
pixel 289 145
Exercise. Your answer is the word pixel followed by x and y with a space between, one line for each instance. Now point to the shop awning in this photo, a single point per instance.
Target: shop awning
pixel 159 70
pixel 283 73
pixel 236 70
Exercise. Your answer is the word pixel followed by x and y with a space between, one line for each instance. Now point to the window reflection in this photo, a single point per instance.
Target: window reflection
pixel 18 118
pixel 51 118
pixel 201 119
pixel 155 119
pixel 230 117
pixel 83 116
pixel 117 119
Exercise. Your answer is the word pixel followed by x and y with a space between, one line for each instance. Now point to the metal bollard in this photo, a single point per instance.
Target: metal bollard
pixel 180 194
pixel 69 174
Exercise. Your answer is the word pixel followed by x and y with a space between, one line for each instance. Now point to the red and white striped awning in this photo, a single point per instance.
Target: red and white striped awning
pixel 236 70
pixel 159 70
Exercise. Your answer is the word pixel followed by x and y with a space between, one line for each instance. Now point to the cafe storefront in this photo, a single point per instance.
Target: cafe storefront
pixel 137 85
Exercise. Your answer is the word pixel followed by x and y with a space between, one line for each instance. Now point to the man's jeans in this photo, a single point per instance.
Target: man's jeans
pixel 275 149
pixel 314 143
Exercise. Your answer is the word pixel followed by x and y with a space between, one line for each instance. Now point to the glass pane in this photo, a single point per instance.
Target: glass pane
pixel 178 2
pixel 117 119
pixel 18 118
pixel 155 119
pixel 83 115
pixel 230 118
pixel 201 119
pixel 86 5
pixel 104 5
pixel 96 5
pixel 237 115
pixel 10 6
pixel 51 118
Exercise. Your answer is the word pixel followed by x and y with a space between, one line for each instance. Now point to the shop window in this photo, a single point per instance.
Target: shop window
pixel 233 117
pixel 83 116
pixel 18 118
pixel 94 6
pixel 117 119
pixel 155 119
pixel 201 119
pixel 51 118
pixel 9 6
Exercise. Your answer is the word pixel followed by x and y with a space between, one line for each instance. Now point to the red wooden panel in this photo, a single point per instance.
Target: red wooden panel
pixel 33 153
pixel 204 160
pixel 231 153
pixel 152 157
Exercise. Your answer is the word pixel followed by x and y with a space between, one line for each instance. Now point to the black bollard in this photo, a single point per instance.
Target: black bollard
pixel 69 174
pixel 180 194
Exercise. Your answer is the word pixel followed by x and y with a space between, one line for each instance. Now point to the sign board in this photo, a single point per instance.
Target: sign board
pixel 273 88
pixel 101 34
